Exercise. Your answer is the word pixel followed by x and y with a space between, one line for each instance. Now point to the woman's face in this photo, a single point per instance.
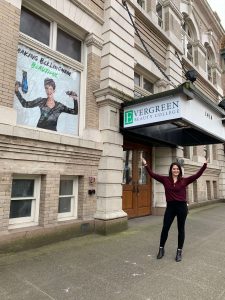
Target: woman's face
pixel 49 91
pixel 175 170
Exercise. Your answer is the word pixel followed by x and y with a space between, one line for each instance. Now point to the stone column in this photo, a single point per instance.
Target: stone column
pixel 116 86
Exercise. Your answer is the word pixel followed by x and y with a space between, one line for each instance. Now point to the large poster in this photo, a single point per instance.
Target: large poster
pixel 46 93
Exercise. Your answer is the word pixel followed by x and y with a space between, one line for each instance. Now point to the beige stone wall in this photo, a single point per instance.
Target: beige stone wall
pixel 9 36
pixel 97 6
pixel 156 46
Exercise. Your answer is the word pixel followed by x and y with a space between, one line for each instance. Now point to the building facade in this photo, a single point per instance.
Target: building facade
pixel 67 68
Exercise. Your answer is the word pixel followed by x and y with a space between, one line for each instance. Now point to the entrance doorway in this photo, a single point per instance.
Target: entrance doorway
pixel 136 182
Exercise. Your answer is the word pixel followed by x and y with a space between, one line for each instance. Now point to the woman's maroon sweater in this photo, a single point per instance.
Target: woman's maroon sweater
pixel 176 191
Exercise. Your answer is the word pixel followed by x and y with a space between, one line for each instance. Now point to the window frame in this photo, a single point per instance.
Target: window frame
pixel 54 26
pixel 142 3
pixel 33 220
pixel 160 19
pixel 50 50
pixel 187 37
pixel 139 89
pixel 73 214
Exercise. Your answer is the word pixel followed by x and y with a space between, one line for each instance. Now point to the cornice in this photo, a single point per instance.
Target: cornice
pixel 93 40
pixel 111 96
pixel 174 8
pixel 87 10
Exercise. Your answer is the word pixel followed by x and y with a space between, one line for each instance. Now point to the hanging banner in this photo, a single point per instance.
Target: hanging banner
pixel 46 93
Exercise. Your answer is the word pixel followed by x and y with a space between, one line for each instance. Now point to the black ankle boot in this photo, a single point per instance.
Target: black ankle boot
pixel 160 253
pixel 179 255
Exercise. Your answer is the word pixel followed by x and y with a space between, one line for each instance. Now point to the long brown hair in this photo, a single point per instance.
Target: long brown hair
pixel 179 167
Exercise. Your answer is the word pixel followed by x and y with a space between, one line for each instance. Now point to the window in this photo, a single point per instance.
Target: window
pixel 215 196
pixel 187 152
pixel 49 34
pixel 68 194
pixel 208 189
pixel 24 206
pixel 68 45
pixel 159 14
pixel 209 62
pixel 34 26
pixel 142 86
pixel 141 3
pixel 188 40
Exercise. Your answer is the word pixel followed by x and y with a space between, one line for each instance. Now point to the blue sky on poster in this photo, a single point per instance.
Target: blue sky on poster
pixel 219 7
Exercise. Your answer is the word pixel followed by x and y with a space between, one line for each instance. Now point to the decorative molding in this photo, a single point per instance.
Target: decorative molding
pixel 111 96
pixel 94 40
pixel 36 45
pixel 87 10
pixel 171 5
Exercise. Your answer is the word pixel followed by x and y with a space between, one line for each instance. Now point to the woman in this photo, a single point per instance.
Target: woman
pixel 49 108
pixel 175 191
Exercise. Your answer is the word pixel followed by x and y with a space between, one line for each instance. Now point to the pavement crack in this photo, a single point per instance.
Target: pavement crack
pixel 38 289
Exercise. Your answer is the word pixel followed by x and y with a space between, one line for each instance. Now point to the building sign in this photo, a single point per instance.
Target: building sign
pixel 152 112
pixel 46 92
pixel 199 119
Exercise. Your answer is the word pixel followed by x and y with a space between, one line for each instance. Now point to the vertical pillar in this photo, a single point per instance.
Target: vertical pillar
pixel 116 86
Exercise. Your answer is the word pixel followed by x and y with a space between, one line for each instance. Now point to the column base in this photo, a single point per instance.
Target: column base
pixel 110 226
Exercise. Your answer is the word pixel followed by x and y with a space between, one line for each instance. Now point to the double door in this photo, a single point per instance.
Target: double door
pixel 136 182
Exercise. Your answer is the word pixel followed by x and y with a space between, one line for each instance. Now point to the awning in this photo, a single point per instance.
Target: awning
pixel 183 116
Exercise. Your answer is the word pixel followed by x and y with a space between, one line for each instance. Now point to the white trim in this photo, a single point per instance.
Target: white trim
pixel 74 200
pixel 44 49
pixel 33 219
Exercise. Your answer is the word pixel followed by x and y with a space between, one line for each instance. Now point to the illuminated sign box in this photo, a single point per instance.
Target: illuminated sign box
pixel 188 116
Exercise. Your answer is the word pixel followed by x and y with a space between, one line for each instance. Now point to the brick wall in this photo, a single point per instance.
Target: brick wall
pixel 93 83
pixel 9 35
pixel 5 192
pixel 49 161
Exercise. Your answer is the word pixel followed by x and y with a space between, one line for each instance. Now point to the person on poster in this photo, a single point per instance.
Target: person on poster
pixel 50 109
pixel 175 191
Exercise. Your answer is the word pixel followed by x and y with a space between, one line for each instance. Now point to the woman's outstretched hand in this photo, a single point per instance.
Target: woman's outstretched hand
pixel 207 160
pixel 144 161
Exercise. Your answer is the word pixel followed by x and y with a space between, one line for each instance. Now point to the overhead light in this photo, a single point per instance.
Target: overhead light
pixel 191 75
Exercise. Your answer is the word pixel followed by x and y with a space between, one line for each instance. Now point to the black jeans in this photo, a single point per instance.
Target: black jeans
pixel 174 209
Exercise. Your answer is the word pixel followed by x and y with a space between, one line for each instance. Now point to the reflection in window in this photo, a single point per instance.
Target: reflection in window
pixel 68 45
pixel 159 14
pixel 66 196
pixel 209 62
pixel 127 167
pixel 34 26
pixel 22 196
pixel 188 40
pixel 142 86
pixel 142 176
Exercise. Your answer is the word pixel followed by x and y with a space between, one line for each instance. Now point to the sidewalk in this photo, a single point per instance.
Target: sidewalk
pixel 123 266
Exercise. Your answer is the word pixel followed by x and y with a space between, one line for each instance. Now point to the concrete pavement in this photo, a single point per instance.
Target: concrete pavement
pixel 123 266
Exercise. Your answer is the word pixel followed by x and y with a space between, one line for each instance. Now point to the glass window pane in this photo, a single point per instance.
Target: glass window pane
pixel 20 208
pixel 137 79
pixel 127 167
pixel 68 45
pixel 66 187
pixel 34 26
pixel 148 86
pixel 64 205
pixel 22 188
pixel 141 169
